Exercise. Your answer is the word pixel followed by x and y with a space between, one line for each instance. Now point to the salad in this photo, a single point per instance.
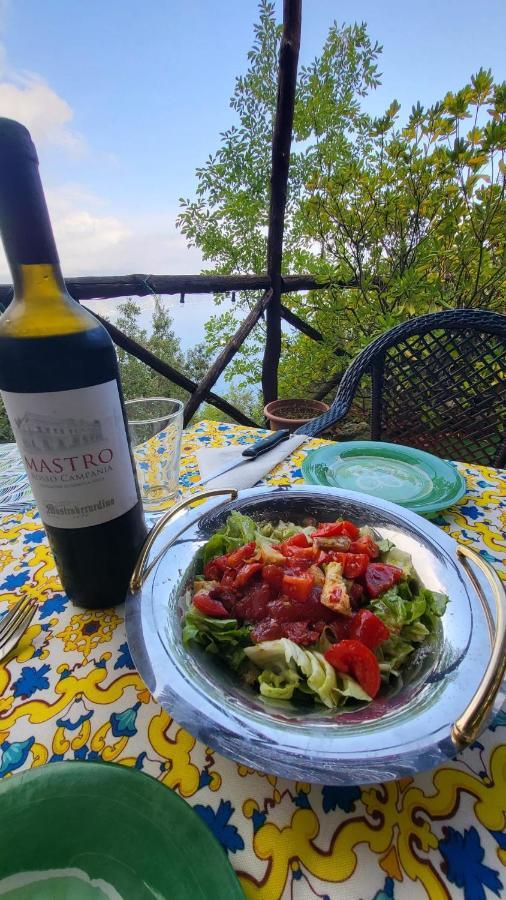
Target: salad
pixel 323 611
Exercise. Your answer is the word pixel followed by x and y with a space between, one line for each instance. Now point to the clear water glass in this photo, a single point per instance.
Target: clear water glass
pixel 155 425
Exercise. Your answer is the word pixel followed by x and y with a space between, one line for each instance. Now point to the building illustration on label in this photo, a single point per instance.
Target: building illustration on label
pixel 38 433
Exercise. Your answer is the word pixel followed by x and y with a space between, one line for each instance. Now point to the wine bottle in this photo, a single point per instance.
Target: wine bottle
pixel 59 381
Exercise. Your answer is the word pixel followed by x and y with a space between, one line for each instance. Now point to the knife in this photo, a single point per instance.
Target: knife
pixel 251 453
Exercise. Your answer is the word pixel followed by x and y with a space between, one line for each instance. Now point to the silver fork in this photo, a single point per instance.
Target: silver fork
pixel 14 624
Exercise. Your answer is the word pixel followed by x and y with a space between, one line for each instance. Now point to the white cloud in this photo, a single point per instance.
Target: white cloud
pixel 93 241
pixel 47 116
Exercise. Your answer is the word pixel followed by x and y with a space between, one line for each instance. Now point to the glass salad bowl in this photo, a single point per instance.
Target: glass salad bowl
pixel 442 702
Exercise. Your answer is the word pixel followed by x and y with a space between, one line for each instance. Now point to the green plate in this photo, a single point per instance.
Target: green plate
pixel 95 831
pixel 414 479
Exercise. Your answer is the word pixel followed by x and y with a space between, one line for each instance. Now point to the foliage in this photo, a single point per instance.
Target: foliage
pixel 137 379
pixel 409 213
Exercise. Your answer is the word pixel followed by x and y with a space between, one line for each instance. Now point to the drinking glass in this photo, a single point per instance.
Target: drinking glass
pixel 155 425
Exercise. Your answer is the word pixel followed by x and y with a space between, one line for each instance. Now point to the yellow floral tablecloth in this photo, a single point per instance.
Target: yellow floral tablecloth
pixel 70 691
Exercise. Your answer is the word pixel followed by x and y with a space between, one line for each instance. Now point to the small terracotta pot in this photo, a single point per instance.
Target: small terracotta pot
pixel 292 413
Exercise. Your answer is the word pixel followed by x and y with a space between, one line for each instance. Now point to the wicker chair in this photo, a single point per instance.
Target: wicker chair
pixel 437 382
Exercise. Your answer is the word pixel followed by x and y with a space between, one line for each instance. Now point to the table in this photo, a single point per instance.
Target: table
pixel 70 691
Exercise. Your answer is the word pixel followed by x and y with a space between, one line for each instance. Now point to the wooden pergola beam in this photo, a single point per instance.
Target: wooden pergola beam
pixel 281 143
pixel 172 374
pixel 102 287
pixel 228 352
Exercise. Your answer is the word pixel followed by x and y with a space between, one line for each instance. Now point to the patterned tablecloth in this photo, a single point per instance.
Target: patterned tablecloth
pixel 70 691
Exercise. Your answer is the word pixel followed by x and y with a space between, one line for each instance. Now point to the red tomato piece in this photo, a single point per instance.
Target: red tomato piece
pixel 212 571
pixel 356 593
pixel 297 586
pixel 355 659
pixel 246 573
pixel 328 529
pixel 237 557
pixel 368 628
pixel 302 553
pixel 326 556
pixel 350 530
pixel 341 627
pixel 296 540
pixel 355 564
pixel 365 544
pixel 300 633
pixel 273 575
pixel 209 607
pixel 297 566
pixel 253 607
pixel 266 630
pixel 228 578
pixel 284 610
pixel 380 577
pixel 333 529
pixel 225 596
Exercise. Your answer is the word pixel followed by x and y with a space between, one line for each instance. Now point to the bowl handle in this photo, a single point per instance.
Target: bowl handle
pixel 139 573
pixel 467 727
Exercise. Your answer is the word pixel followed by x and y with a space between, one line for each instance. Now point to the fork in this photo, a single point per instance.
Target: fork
pixel 14 624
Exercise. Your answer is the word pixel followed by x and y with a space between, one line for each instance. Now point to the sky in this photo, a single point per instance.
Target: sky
pixel 126 98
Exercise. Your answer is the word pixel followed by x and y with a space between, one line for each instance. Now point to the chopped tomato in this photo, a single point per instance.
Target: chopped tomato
pixel 355 659
pixel 273 575
pixel 333 529
pixel 368 628
pixel 225 596
pixel 246 573
pixel 365 544
pixel 209 607
pixel 211 571
pixel 300 633
pixel 266 630
pixel 294 565
pixel 356 592
pixel 228 578
pixel 326 556
pixel 284 610
pixel 380 577
pixel 253 606
pixel 298 586
pixel 302 553
pixel 341 627
pixel 236 557
pixel 296 540
pixel 355 564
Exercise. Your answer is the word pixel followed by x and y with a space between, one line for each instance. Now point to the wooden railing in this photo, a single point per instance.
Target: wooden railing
pixel 272 284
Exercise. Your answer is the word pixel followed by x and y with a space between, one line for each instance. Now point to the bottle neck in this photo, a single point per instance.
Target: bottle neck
pixel 24 220
pixel 38 283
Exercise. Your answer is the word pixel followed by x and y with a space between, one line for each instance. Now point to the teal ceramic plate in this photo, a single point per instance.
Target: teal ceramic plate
pixel 95 831
pixel 411 478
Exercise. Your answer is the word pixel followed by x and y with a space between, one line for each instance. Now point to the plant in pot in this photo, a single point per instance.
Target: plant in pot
pixel 292 413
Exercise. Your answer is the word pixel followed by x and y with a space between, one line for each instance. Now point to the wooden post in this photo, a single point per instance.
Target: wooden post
pixel 228 352
pixel 281 143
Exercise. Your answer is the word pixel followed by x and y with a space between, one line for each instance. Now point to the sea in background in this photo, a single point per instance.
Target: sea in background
pixel 188 318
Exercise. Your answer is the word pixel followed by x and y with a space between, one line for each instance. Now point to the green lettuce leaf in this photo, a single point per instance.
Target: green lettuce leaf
pixel 278 687
pixel 400 558
pixel 383 543
pixel 281 531
pixel 222 637
pixel 392 655
pixel 281 660
pixel 396 612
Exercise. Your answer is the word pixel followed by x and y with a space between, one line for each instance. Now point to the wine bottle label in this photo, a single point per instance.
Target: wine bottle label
pixel 75 450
